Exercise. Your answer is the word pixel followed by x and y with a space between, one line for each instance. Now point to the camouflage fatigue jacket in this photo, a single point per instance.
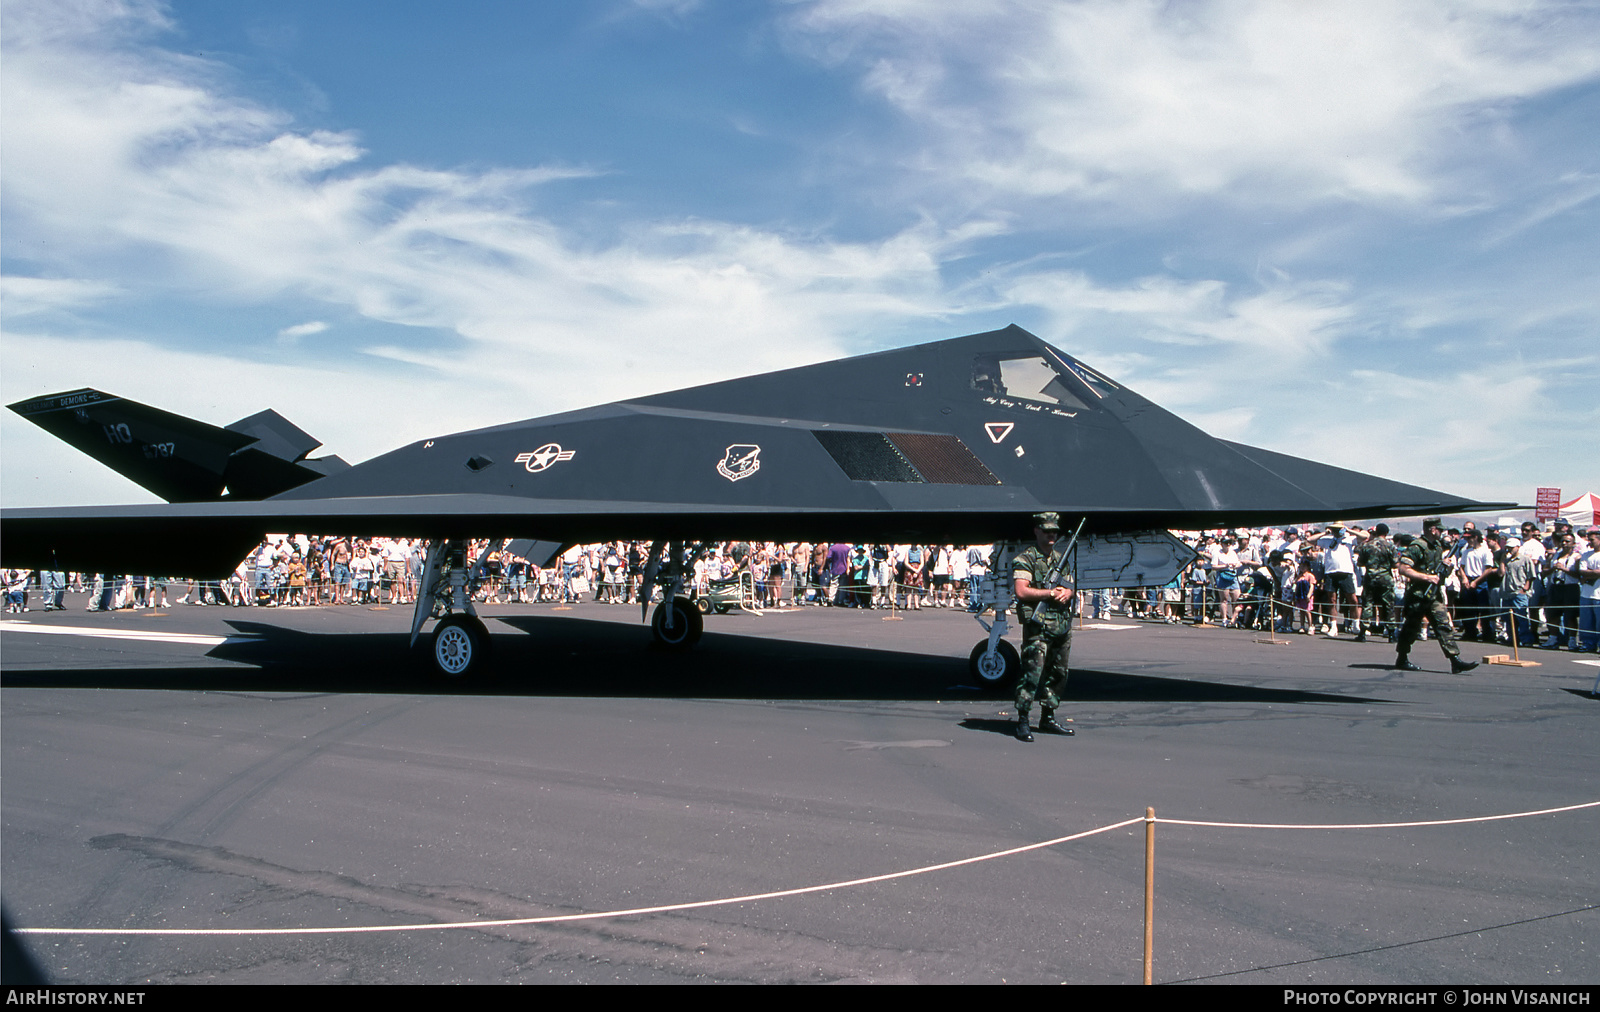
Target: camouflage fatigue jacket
pixel 1377 559
pixel 1031 563
pixel 1424 558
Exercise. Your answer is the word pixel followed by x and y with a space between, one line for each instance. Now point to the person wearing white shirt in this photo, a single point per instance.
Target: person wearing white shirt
pixel 1588 573
pixel 1477 564
pixel 1339 576
pixel 1562 590
pixel 1224 562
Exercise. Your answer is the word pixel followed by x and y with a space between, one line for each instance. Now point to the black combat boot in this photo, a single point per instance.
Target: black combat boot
pixel 1049 725
pixel 1402 664
pixel 1021 730
pixel 1461 667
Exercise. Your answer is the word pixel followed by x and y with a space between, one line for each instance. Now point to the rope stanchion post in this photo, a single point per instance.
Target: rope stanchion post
pixel 1513 659
pixel 1272 629
pixel 1149 889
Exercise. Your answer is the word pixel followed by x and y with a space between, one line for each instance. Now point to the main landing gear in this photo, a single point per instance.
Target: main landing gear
pixel 459 645
pixel 677 624
pixel 678 621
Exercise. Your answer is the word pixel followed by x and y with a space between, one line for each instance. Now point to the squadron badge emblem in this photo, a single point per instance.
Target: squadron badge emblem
pixel 740 461
pixel 543 457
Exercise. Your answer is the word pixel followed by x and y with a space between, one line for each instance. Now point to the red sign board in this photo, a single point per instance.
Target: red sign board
pixel 1546 503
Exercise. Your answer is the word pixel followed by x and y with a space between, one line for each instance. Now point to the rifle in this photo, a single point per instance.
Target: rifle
pixel 1052 579
pixel 1435 591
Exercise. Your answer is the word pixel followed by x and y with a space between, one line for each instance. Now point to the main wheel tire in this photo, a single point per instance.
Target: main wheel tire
pixel 460 646
pixel 485 641
pixel 687 624
pixel 997 672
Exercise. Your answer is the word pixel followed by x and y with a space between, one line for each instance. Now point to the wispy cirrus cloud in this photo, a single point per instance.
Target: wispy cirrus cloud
pixel 25 296
pixel 300 330
pixel 131 169
pixel 1260 101
pixel 140 164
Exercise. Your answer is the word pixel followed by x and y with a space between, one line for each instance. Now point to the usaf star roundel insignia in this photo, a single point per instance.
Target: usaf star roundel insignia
pixel 543 457
pixel 740 461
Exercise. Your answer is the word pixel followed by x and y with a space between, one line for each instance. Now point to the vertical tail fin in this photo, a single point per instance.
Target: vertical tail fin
pixel 182 459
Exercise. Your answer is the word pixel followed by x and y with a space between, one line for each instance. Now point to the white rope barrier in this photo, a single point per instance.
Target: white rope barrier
pixel 565 918
pixel 782 893
pixel 1374 825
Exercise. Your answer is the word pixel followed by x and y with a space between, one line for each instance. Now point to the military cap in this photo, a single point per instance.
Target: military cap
pixel 1432 522
pixel 1047 521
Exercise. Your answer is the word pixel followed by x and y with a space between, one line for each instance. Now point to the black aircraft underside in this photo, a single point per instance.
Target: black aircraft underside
pixel 956 441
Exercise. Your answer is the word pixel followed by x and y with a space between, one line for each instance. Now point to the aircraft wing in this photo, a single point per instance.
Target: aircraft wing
pixel 956 441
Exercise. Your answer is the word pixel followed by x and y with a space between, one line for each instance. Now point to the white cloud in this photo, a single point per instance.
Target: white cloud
pixel 21 296
pixel 140 163
pixel 1293 321
pixel 300 330
pixel 141 166
pixel 1259 99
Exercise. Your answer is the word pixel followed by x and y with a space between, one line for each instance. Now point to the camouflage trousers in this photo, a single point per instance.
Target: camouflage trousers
pixel 1044 669
pixel 1415 610
pixel 1378 595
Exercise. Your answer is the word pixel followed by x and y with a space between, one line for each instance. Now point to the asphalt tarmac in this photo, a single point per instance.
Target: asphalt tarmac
pixel 277 768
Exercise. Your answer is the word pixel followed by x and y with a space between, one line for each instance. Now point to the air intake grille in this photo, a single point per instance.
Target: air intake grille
pixel 904 457
pixel 866 456
pixel 943 460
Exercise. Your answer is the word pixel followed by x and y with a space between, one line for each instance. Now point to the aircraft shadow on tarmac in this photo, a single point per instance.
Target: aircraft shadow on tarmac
pixel 578 657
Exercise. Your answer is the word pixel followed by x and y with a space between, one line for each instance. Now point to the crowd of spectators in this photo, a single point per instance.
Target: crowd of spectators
pixel 1526 585
pixel 1540 586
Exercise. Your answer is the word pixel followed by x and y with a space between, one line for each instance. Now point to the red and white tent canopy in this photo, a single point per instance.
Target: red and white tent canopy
pixel 1582 512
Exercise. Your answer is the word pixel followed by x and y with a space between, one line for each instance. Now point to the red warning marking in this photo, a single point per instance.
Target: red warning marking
pixel 998 430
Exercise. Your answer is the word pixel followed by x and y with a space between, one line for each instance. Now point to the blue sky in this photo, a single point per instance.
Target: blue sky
pixel 1362 233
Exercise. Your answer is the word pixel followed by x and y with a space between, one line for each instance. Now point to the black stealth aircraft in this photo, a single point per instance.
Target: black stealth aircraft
pixel 956 441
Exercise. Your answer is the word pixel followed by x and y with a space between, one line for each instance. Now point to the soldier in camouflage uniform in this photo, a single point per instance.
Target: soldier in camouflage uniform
pixel 1425 570
pixel 1377 557
pixel 1046 626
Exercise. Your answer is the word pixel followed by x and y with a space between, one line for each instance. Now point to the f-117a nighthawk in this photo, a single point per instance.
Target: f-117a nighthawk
pixel 958 441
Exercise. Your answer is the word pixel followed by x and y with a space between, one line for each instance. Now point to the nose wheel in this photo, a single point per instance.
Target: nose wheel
pixel 996 672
